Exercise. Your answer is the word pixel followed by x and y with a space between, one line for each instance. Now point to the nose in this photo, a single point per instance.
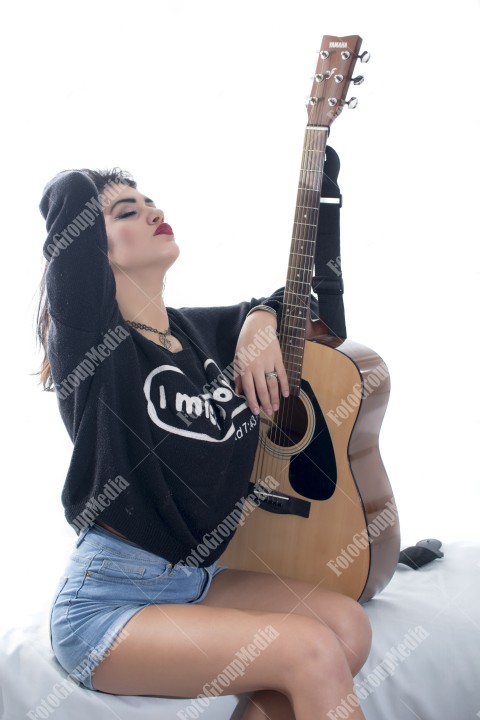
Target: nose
pixel 155 216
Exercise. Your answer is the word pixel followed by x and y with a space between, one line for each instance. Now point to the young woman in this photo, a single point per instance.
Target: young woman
pixel 164 421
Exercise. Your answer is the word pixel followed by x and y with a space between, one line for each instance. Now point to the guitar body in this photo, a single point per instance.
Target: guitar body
pixel 322 448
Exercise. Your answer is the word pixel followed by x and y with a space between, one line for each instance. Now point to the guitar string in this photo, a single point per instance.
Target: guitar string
pixel 283 418
pixel 310 189
pixel 309 214
pixel 301 260
pixel 265 459
pixel 278 419
pixel 296 268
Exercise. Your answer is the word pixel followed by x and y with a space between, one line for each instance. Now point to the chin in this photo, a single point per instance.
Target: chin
pixel 167 259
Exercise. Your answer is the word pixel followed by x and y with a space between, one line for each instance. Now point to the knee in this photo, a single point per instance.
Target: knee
pixel 354 632
pixel 314 648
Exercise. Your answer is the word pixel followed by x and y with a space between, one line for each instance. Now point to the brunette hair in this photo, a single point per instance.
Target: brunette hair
pixel 101 178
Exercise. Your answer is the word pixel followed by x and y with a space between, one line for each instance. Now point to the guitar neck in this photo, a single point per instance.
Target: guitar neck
pixel 302 255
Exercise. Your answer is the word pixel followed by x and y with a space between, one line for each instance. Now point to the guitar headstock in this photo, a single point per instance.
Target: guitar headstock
pixel 336 62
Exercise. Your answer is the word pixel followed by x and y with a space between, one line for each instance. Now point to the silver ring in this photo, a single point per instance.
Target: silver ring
pixel 271 375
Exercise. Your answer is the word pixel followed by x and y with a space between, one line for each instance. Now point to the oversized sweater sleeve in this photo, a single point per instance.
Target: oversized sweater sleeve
pixel 79 281
pixel 223 324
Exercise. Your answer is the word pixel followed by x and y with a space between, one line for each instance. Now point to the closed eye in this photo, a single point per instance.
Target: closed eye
pixel 125 215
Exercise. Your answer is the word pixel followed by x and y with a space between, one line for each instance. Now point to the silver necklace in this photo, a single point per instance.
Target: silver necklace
pixel 163 340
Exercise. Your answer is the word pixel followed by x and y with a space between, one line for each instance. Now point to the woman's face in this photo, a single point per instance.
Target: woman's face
pixel 132 220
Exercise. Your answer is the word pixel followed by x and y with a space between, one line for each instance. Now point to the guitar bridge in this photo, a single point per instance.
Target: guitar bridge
pixel 279 502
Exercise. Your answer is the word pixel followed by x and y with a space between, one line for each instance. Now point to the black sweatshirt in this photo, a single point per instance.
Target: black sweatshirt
pixel 163 446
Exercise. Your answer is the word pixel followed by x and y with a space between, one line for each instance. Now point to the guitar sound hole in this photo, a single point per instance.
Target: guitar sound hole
pixel 313 469
pixel 291 422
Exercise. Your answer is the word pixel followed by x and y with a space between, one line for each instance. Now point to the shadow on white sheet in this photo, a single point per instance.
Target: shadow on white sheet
pixel 424 663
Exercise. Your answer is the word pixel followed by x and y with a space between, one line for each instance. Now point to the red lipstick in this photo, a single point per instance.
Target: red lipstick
pixel 163 229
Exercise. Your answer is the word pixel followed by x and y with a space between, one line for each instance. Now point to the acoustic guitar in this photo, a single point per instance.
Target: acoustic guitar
pixel 324 511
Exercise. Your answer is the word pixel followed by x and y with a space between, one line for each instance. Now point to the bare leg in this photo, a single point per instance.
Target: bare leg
pixel 244 589
pixel 268 705
pixel 185 650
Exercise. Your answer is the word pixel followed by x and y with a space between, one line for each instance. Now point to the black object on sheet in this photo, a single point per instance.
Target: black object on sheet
pixel 420 554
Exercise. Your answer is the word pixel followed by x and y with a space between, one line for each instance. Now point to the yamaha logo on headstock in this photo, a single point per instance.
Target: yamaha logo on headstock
pixel 332 79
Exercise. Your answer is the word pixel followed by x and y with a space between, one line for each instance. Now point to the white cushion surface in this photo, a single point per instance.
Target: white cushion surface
pixel 437 677
pixel 30 676
pixel 424 663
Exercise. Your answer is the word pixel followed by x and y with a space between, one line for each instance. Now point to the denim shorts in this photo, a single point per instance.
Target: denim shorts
pixel 106 581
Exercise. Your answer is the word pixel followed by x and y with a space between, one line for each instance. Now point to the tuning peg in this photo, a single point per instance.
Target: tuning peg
pixel 352 103
pixel 320 77
pixel 364 57
pixel 358 80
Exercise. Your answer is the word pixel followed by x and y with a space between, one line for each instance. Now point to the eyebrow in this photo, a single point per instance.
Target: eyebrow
pixel 129 200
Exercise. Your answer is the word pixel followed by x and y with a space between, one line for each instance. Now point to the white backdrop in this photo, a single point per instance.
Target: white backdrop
pixel 204 102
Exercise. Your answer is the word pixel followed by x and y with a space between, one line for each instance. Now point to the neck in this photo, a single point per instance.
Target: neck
pixel 140 300
pixel 296 301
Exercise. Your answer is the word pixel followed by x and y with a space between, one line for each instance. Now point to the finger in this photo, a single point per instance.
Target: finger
pixel 282 378
pixel 249 392
pixel 263 391
pixel 237 384
pixel 237 378
pixel 272 387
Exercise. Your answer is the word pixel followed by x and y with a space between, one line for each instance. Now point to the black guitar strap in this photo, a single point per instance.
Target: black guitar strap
pixel 327 281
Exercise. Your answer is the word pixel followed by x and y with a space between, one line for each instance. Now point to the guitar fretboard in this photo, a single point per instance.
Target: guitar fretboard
pixel 302 255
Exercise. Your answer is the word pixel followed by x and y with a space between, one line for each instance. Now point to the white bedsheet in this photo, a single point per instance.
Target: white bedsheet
pixel 440 678
pixel 424 663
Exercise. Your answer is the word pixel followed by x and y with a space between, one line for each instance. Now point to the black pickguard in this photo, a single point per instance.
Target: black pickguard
pixel 313 472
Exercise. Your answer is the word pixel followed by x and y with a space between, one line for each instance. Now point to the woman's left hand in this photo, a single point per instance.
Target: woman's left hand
pixel 257 353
